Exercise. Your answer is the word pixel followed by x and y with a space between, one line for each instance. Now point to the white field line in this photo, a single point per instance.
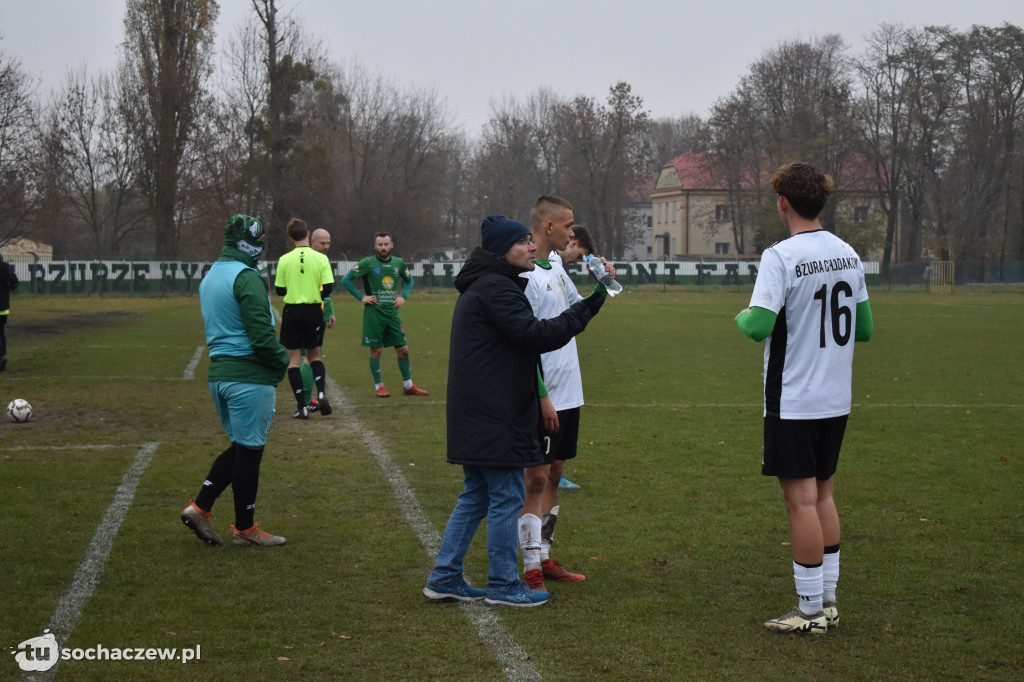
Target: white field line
pixel 68 447
pixel 190 371
pixel 756 406
pixel 701 406
pixel 513 659
pixel 88 574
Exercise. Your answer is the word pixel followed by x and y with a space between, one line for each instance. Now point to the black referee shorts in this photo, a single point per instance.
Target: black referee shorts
pixel 302 326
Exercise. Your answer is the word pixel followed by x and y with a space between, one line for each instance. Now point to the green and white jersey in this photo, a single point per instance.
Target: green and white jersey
pixel 380 279
pixel 551 292
pixel 302 272
pixel 813 282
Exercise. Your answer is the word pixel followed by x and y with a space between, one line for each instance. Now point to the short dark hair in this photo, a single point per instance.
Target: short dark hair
pixel 586 242
pixel 297 229
pixel 384 234
pixel 542 206
pixel 805 187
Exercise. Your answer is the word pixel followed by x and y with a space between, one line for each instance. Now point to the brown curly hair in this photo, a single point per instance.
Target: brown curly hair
pixel 805 187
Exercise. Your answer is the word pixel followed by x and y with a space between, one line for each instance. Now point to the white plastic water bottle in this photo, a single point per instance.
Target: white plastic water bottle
pixel 601 273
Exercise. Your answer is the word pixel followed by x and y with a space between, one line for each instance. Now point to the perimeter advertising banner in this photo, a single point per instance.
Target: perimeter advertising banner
pixel 127 277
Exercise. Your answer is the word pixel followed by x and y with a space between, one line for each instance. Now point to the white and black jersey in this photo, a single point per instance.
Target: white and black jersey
pixel 550 292
pixel 813 282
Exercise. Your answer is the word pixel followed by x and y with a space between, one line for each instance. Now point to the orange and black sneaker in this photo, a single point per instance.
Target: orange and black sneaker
pixel 415 390
pixel 255 536
pixel 554 571
pixel 200 523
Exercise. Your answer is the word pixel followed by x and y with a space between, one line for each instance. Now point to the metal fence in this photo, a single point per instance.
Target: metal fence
pixel 954 277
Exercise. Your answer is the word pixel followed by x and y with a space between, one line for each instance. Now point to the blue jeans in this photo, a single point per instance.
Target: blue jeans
pixel 494 493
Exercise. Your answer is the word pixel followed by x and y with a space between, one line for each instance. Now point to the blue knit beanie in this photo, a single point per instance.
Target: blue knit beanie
pixel 500 233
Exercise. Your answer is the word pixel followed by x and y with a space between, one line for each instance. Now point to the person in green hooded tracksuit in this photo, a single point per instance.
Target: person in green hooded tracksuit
pixel 246 364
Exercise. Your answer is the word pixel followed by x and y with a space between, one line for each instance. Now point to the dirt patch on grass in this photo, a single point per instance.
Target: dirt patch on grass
pixel 66 321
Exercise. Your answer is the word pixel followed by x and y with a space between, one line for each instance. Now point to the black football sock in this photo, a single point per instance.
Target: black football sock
pixel 319 375
pixel 245 480
pixel 217 480
pixel 295 381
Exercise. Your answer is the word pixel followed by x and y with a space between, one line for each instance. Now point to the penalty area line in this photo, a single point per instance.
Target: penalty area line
pixel 69 609
pixel 514 661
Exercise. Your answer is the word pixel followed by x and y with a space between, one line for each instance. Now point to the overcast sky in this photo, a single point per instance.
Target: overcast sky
pixel 678 56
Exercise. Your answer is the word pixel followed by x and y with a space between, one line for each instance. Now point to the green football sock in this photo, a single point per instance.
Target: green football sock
pixel 375 371
pixel 307 381
pixel 405 368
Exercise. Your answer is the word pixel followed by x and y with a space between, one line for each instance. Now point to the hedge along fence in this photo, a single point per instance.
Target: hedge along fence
pixel 161 278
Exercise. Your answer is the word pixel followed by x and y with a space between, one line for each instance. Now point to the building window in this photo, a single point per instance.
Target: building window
pixel 675 207
pixel 860 214
pixel 721 248
pixel 722 212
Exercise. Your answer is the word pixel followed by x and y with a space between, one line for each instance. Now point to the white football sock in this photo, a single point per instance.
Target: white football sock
pixel 529 541
pixel 808 588
pixel 830 576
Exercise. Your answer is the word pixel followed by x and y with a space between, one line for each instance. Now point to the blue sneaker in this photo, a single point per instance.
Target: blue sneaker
pixel 566 484
pixel 457 591
pixel 518 595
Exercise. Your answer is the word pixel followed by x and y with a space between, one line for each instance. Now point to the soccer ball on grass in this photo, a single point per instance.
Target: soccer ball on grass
pixel 19 410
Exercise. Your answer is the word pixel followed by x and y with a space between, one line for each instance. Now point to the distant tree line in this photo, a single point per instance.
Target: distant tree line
pixel 150 159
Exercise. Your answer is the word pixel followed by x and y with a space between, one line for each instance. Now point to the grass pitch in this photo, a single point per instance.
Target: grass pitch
pixel 682 541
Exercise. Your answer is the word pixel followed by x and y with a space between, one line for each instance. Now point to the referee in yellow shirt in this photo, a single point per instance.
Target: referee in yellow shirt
pixel 304 279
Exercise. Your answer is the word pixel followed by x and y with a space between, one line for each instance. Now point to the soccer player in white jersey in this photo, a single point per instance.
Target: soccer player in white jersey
pixel 550 292
pixel 809 305
pixel 581 244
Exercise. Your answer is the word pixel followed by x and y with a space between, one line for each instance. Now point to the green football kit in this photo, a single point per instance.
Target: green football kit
pixel 381 324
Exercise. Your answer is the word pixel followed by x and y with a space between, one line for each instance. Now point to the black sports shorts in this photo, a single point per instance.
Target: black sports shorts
pixel 561 445
pixel 302 326
pixel 802 448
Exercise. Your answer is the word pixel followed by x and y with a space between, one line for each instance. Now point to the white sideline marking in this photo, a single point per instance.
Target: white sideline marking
pixel 703 406
pixel 88 574
pixel 380 405
pixel 513 659
pixel 190 371
pixel 65 447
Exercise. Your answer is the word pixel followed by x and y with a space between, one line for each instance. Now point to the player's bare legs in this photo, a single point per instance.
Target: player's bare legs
pixel 805 532
pixel 801 496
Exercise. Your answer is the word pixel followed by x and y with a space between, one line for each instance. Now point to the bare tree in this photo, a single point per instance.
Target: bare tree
pixel 672 137
pixel 510 168
pixel 796 103
pixel 988 68
pixel 166 63
pixel 393 147
pixel 739 161
pixel 18 194
pixel 93 167
pixel 884 112
pixel 606 153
